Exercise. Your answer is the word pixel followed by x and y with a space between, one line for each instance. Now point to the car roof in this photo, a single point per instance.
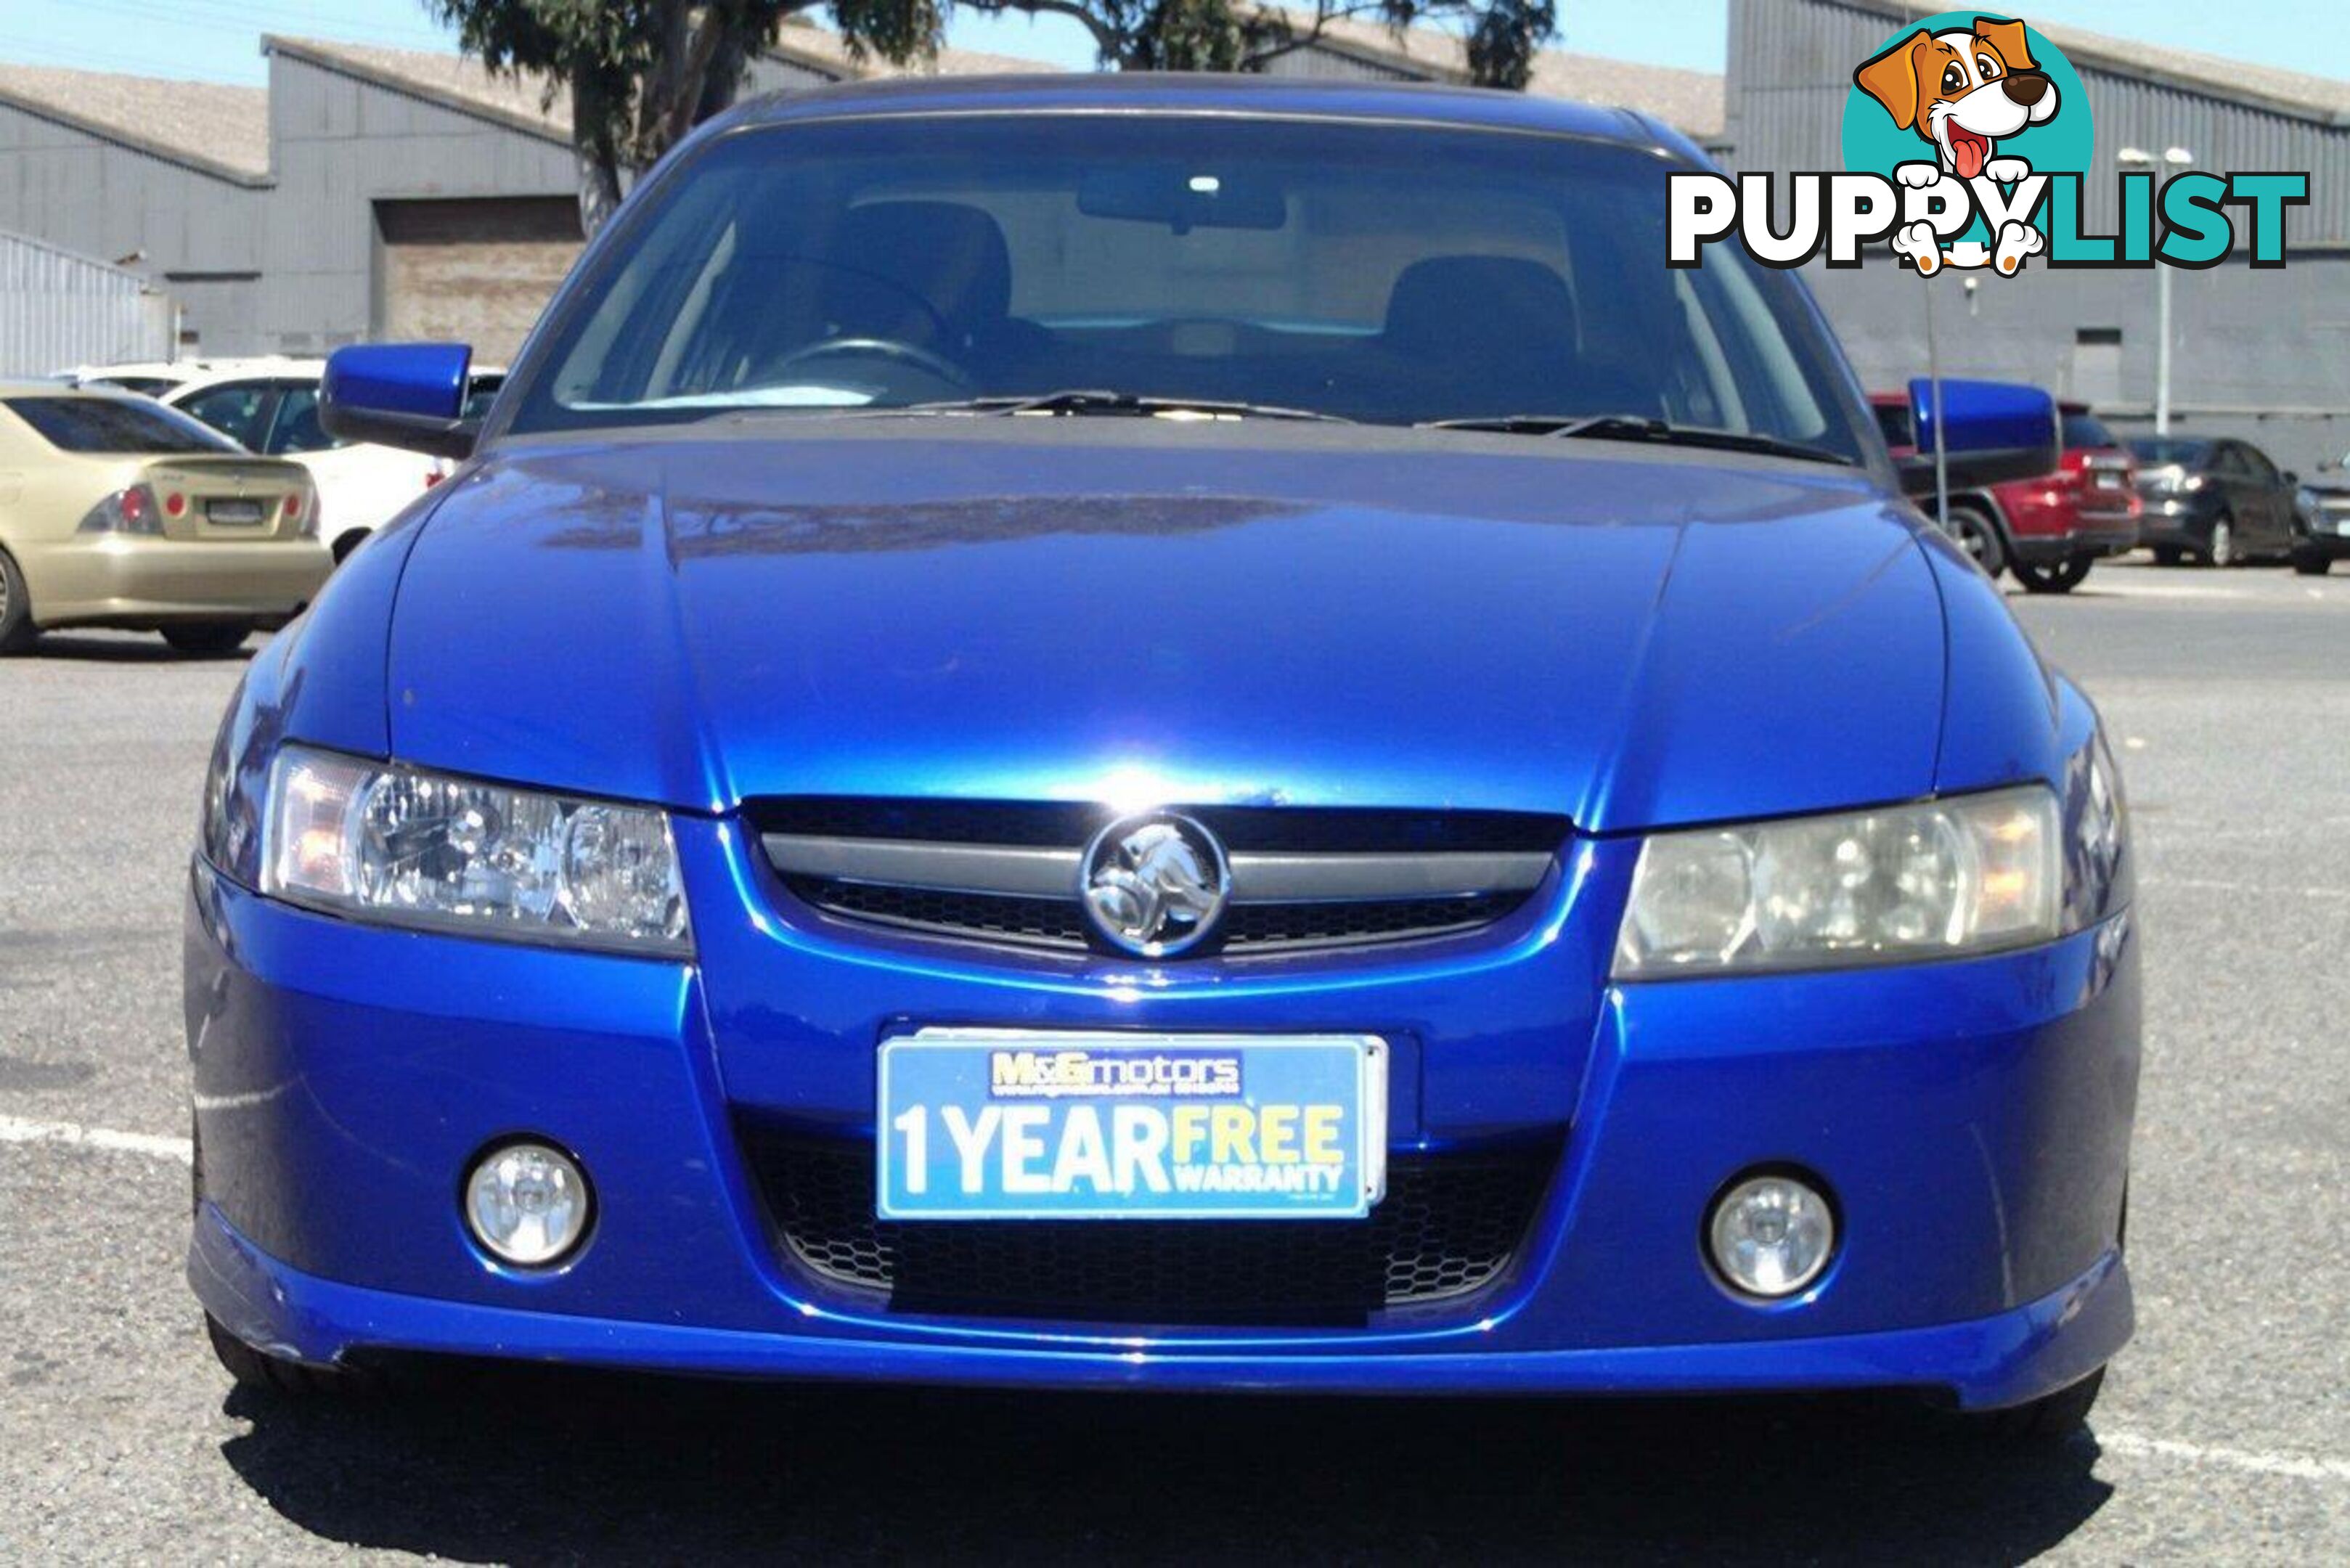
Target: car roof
pixel 187 370
pixel 247 369
pixel 227 370
pixel 38 389
pixel 1154 92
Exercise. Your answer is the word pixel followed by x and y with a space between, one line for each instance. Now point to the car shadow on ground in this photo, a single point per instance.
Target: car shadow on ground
pixel 88 648
pixel 540 1465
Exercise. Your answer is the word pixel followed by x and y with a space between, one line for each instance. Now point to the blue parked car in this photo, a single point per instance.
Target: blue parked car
pixel 1169 733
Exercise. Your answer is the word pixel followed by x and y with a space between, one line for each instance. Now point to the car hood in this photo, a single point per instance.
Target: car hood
pixel 1136 612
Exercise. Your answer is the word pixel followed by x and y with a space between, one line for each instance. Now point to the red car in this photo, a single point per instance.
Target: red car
pixel 2048 531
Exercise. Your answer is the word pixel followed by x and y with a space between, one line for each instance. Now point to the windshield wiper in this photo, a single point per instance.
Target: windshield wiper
pixel 1081 401
pixel 1641 427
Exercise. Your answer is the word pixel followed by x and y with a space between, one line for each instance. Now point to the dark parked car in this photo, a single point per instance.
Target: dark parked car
pixel 2321 524
pixel 2212 500
pixel 2049 529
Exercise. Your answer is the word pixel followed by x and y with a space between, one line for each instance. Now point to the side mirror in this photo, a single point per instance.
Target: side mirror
pixel 1993 431
pixel 2292 477
pixel 409 395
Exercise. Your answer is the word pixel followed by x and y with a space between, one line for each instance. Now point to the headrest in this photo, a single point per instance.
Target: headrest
pixel 1448 304
pixel 951 255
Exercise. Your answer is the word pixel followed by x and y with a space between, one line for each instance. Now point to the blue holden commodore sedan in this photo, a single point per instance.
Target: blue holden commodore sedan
pixel 1169 733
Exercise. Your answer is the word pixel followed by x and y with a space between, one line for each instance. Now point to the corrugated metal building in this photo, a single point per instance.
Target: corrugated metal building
pixel 382 193
pixel 364 193
pixel 170 184
pixel 58 310
pixel 2264 355
pixel 1691 101
pixel 373 192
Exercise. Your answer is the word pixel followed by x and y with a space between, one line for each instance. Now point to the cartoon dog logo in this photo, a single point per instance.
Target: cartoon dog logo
pixel 1961 90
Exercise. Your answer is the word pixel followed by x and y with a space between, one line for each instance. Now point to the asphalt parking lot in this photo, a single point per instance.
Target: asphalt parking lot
pixel 2224 1434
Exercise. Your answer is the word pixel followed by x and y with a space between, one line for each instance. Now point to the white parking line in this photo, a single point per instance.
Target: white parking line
pixel 2165 591
pixel 2299 1468
pixel 22 1129
pixel 2164 884
pixel 2130 1444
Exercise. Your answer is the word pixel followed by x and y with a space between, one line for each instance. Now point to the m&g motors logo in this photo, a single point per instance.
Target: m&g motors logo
pixel 1967 138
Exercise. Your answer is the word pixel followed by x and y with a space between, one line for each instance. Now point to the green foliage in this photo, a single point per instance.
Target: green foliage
pixel 1502 35
pixel 640 74
pixel 1504 39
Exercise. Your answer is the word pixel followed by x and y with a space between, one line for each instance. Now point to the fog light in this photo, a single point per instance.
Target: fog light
pixel 1770 1235
pixel 526 1203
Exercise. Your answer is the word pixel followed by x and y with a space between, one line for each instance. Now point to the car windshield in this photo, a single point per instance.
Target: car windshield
pixel 1373 274
pixel 2086 429
pixel 110 425
pixel 2185 454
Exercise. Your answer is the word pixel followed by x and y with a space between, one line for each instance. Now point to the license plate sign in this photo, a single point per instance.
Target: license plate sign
pixel 2342 527
pixel 240 513
pixel 1001 1125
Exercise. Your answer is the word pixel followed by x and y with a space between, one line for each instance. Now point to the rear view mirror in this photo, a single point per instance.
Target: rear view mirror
pixel 1991 432
pixel 409 395
pixel 1182 197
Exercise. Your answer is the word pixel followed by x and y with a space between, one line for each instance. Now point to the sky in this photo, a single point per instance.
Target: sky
pixel 220 39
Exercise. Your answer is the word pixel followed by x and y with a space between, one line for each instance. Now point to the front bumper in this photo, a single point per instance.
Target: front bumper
pixel 1989 1363
pixel 1972 1118
pixel 106 579
pixel 2175 525
pixel 2330 541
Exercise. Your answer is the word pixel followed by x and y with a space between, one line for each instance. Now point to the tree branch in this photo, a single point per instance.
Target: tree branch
pixel 1108 42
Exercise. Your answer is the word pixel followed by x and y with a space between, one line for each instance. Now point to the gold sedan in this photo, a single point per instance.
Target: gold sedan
pixel 118 511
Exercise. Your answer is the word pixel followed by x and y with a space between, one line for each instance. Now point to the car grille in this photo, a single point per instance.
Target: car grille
pixel 1006 872
pixel 1449 1225
pixel 1056 923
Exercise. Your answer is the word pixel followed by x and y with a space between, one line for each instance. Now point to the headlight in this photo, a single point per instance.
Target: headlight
pixel 1937 879
pixel 405 848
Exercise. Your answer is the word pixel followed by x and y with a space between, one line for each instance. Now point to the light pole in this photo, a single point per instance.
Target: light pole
pixel 2172 158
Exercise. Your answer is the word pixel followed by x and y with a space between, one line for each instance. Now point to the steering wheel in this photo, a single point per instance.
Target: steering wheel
pixel 922 358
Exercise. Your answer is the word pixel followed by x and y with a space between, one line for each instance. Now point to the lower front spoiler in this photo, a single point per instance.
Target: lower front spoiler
pixel 2054 550
pixel 1985 1364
